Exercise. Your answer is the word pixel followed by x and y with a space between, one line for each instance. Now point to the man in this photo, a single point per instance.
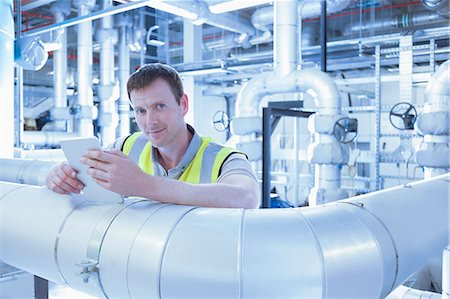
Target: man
pixel 167 161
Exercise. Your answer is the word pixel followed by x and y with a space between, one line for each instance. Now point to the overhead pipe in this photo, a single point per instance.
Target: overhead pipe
pixel 442 7
pixel 433 123
pixel 263 18
pixel 123 74
pixel 7 79
pixel 409 20
pixel 108 117
pixel 60 112
pixel 351 248
pixel 25 171
pixel 227 21
pixel 325 152
pixel 84 117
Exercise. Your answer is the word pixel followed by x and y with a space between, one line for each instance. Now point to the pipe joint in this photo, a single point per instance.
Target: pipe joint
pixel 107 119
pixel 86 112
pixel 59 113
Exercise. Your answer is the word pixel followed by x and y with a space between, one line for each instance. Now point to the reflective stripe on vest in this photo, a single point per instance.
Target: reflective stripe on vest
pixel 204 167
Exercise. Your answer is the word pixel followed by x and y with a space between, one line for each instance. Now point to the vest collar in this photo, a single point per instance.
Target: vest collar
pixel 188 156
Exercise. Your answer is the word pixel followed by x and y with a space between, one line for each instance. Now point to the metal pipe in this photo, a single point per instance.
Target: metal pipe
pixel 60 113
pixel 88 17
pixel 108 118
pixel 323 36
pixel 84 65
pixel 124 72
pixel 262 18
pixel 21 171
pixel 285 37
pixel 47 138
pixel 351 248
pixel 7 79
pixel 409 20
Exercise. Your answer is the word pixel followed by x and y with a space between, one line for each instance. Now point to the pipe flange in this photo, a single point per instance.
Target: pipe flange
pixel 84 112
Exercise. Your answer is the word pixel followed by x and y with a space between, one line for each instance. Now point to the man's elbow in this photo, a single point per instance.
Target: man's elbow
pixel 251 200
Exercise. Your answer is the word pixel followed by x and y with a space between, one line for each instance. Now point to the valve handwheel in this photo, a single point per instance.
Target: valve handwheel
pixel 403 116
pixel 345 129
pixel 221 121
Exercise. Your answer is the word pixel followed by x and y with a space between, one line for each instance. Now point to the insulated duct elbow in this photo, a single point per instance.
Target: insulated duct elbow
pixel 352 248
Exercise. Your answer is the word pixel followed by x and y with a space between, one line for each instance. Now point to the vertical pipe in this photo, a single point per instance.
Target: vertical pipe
pixel 323 36
pixel 108 115
pixel 377 115
pixel 19 84
pixel 285 37
pixel 267 159
pixel 84 65
pixel 124 72
pixel 59 75
pixel 7 79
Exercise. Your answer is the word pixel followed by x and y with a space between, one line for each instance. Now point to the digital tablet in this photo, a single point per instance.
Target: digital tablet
pixel 74 149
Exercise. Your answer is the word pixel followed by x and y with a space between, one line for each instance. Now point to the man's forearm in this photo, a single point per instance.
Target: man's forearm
pixel 219 195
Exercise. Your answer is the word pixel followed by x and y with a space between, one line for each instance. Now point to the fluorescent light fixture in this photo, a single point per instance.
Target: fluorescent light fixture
pixel 235 5
pixel 173 9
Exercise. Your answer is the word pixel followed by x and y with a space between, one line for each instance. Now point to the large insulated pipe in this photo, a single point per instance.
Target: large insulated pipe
pixel 108 118
pixel 23 171
pixel 123 74
pixel 7 79
pixel 434 123
pixel 60 113
pixel 84 67
pixel 263 18
pixel 355 248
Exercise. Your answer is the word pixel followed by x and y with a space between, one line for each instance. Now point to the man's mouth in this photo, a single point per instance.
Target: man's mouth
pixel 155 131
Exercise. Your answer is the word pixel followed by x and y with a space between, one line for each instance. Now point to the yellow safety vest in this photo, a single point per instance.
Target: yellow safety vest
pixel 204 167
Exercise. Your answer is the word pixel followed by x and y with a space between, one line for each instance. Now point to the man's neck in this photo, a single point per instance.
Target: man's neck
pixel 172 154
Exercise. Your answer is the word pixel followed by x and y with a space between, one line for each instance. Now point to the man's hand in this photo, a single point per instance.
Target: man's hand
pixel 113 170
pixel 62 179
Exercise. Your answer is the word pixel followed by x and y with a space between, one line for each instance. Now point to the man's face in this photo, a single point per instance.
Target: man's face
pixel 158 113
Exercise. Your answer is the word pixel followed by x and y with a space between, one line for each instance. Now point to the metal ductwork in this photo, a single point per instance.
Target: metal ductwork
pixel 440 6
pixel 201 15
pixel 352 248
pixel 7 78
pixel 434 124
pixel 263 18
pixel 409 20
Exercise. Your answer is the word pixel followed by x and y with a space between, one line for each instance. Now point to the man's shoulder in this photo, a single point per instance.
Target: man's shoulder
pixel 118 143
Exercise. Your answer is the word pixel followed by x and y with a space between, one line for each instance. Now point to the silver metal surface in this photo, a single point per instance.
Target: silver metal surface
pixel 353 248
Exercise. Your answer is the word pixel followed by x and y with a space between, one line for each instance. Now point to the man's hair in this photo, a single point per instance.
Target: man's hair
pixel 148 73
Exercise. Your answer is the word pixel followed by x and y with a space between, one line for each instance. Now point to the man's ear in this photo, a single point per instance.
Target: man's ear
pixel 184 103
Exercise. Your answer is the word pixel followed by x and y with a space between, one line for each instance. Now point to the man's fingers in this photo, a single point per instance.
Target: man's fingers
pixel 55 188
pixel 98 174
pixel 67 182
pixel 69 171
pixel 116 152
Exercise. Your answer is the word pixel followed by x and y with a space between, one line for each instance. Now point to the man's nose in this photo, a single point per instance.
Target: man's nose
pixel 151 118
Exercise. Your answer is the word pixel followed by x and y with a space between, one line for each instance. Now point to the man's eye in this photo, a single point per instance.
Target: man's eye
pixel 160 106
pixel 140 111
